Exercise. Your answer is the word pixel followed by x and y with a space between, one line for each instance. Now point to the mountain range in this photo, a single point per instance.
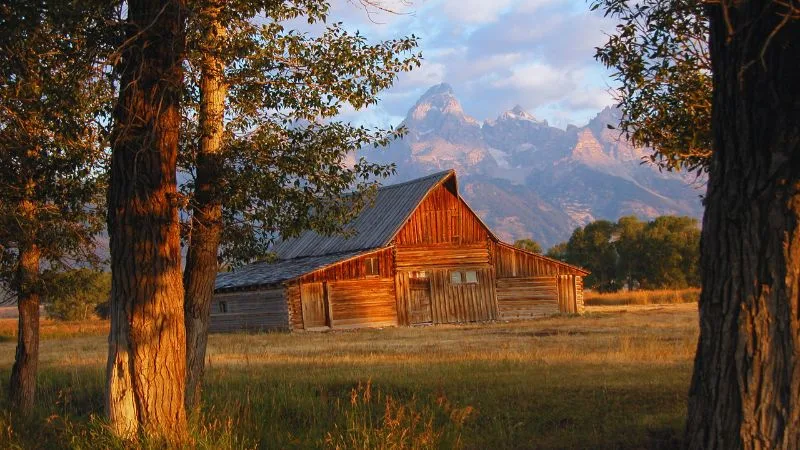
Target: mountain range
pixel 527 179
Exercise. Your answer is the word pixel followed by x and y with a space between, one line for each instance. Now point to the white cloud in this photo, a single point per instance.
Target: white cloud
pixel 474 11
pixel 429 73
pixel 533 76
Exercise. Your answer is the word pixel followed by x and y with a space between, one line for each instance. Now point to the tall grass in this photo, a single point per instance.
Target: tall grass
pixel 57 329
pixel 646 297
pixel 608 379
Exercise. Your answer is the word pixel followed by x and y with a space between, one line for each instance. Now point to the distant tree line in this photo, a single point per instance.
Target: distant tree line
pixel 662 253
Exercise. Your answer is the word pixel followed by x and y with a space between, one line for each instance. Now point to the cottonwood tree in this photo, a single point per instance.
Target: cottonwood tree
pixel 529 245
pixel 659 54
pixel 661 253
pixel 267 155
pixel 146 360
pixel 53 94
pixel 745 391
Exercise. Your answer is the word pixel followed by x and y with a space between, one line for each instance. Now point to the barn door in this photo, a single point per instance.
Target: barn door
pixel 420 308
pixel 312 297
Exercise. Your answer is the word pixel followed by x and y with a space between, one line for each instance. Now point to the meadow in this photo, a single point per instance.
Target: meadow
pixel 615 377
pixel 644 297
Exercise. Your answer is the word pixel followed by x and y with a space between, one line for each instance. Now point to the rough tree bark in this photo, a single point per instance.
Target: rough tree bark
pixel 22 386
pixel 201 259
pixel 745 390
pixel 146 370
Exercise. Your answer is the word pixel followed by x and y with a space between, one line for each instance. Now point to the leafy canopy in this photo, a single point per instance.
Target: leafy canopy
pixel 529 245
pixel 54 95
pixel 659 55
pixel 662 253
pixel 286 161
pixel 76 294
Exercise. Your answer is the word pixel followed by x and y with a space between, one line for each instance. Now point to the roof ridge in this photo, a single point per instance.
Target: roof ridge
pixel 439 174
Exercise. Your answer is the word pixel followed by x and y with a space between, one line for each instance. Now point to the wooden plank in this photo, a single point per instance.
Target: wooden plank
pixel 467 302
pixel 527 297
pixel 442 218
pixel 403 297
pixel 514 263
pixel 420 304
pixel 292 293
pixel 312 296
pixel 355 269
pixel 364 303
pixel 445 255
pixel 264 309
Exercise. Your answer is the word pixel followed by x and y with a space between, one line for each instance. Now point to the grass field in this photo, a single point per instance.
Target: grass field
pixel 616 377
pixel 653 297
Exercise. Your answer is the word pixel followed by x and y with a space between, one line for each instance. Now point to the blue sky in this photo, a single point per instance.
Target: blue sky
pixel 495 54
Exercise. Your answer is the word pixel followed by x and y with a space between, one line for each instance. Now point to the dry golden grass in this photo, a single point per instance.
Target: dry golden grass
pixel 616 377
pixel 652 297
pixel 56 329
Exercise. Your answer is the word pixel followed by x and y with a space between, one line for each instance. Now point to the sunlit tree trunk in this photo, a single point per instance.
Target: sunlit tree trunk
pixel 22 386
pixel 201 259
pixel 745 390
pixel 146 361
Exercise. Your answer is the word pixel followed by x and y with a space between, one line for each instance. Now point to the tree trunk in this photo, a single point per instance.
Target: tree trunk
pixel 745 390
pixel 146 360
pixel 201 259
pixel 22 387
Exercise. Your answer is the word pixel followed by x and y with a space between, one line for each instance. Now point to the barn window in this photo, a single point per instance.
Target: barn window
pixel 470 276
pixel 455 277
pixel 371 266
pixel 223 307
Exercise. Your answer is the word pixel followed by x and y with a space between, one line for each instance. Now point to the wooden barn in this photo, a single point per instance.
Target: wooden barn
pixel 419 255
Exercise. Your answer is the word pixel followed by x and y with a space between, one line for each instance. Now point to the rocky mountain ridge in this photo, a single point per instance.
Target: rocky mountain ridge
pixel 529 179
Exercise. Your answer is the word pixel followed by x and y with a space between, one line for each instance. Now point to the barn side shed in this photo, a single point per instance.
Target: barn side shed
pixel 417 255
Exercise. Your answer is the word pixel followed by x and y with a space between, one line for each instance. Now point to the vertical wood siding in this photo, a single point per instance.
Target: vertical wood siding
pixel 402 290
pixel 362 303
pixel 567 294
pixel 250 310
pixel 314 306
pixel 354 269
pixel 511 262
pixel 442 218
pixel 455 303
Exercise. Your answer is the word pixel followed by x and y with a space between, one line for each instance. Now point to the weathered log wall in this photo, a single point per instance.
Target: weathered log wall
pixel 292 294
pixel 521 298
pixel 570 294
pixel 443 255
pixel 541 274
pixel 362 303
pixel 249 310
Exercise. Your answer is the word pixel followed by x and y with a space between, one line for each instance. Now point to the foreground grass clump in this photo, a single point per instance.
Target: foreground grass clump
pixel 652 297
pixel 608 379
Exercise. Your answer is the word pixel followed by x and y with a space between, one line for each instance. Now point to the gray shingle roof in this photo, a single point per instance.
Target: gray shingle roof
pixel 374 227
pixel 264 273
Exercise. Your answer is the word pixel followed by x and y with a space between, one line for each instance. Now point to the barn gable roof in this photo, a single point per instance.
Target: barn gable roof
pixel 374 227
pixel 266 273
